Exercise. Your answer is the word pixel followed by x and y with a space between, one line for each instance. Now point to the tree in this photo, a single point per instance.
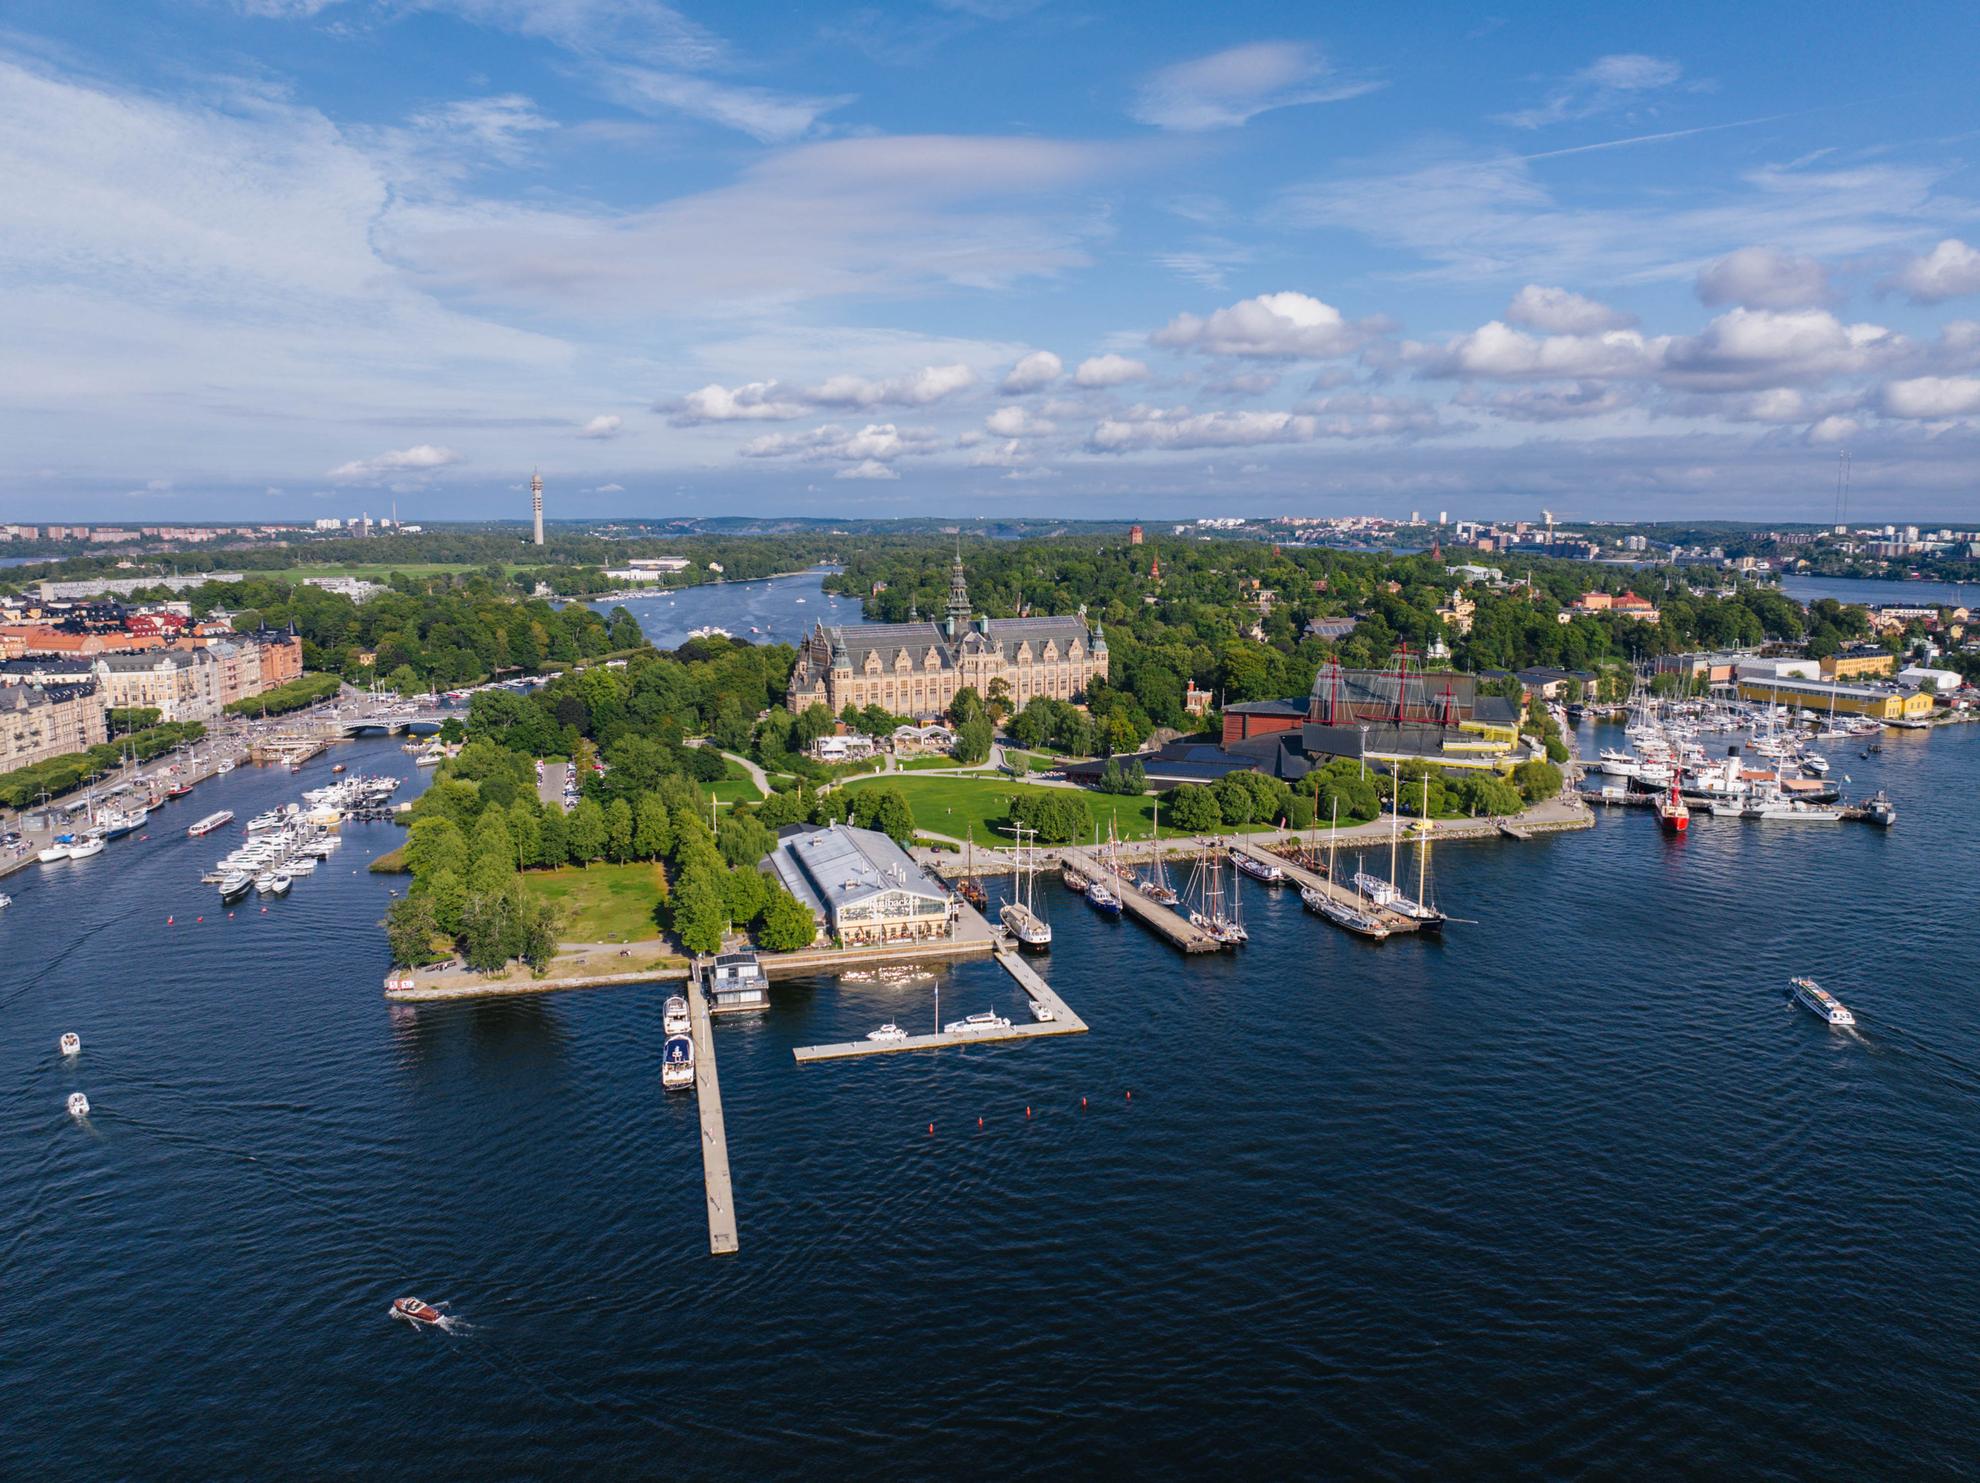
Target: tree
pixel 1194 808
pixel 434 844
pixel 884 808
pixel 652 829
pixel 618 831
pixel 1059 815
pixel 446 896
pixel 701 913
pixel 554 848
pixel 492 843
pixel 526 828
pixel 410 930
pixel 974 739
pixel 587 832
pixel 745 892
pixel 786 924
pixel 1537 780
pixel 966 707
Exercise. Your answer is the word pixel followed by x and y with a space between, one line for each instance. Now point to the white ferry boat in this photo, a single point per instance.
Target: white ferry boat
pixel 1817 1000
pixel 977 1024
pixel 677 1064
pixel 211 822
pixel 674 1018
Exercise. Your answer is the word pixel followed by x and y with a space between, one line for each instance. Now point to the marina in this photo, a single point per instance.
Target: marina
pixel 1058 1019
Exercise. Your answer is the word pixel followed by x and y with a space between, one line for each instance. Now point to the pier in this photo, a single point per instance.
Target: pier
pixel 1063 1022
pixel 1165 923
pixel 1395 921
pixel 714 1136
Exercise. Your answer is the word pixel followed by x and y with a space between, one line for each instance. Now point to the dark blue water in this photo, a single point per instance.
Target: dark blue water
pixel 1569 1192
pixel 1874 593
pixel 774 610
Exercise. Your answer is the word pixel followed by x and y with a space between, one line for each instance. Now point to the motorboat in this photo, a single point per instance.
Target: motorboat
pixel 1042 1012
pixel 1672 811
pixel 211 822
pixel 1818 1001
pixel 226 765
pixel 677 1064
pixel 301 865
pixel 1880 810
pixel 70 1043
pixel 78 1105
pixel 261 822
pixel 888 1034
pixel 977 1024
pixel 415 1312
pixel 674 1017
pixel 233 887
pixel 89 844
pixel 1102 899
pixel 116 823
pixel 5 901
pixel 1815 764
pixel 1793 809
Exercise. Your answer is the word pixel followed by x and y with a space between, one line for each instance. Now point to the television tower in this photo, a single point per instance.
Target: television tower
pixel 536 502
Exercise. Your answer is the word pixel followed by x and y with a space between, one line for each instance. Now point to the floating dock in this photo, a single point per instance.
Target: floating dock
pixel 714 1136
pixel 1063 1022
pixel 1172 925
pixel 1395 921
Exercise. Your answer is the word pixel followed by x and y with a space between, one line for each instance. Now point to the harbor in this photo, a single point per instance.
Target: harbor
pixel 1061 1021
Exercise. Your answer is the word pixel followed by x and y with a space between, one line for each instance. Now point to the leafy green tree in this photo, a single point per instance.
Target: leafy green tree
pixel 587 832
pixel 746 893
pixel 1194 808
pixel 700 910
pixel 652 828
pixel 1059 815
pixel 435 844
pixel 446 897
pixel 974 739
pixel 554 848
pixel 492 841
pixel 526 828
pixel 787 924
pixel 618 831
pixel 411 930
pixel 1536 780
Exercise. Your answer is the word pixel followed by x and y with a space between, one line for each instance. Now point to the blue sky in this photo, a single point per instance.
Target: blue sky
pixel 281 258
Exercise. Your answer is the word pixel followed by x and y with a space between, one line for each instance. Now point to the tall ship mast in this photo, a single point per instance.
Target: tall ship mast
pixel 1020 915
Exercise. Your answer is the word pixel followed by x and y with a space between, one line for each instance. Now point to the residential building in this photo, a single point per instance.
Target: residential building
pixel 181 684
pixel 1624 605
pixel 1859 662
pixel 37 724
pixel 862 887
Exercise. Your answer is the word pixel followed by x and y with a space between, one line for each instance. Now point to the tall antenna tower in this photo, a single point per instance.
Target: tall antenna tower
pixel 1842 486
pixel 536 502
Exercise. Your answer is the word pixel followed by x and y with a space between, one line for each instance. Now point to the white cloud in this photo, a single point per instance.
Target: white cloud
pixel 1013 421
pixel 876 442
pixel 869 468
pixel 1930 398
pixel 1109 370
pixel 1243 383
pixel 1008 454
pixel 1279 325
pixel 1606 83
pixel 1226 88
pixel 1761 347
pixel 1556 311
pixel 610 489
pixel 1564 403
pixel 919 389
pixel 1498 351
pixel 1764 278
pixel 1834 430
pixel 1350 415
pixel 757 401
pixel 1949 271
pixel 420 458
pixel 1032 372
pixel 767 116
pixel 606 426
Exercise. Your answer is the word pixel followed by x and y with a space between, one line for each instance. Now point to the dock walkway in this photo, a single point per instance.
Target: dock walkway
pixel 1063 1022
pixel 714 1136
pixel 1171 925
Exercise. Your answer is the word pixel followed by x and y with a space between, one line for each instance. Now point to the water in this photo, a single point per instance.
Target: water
pixel 1868 591
pixel 774 610
pixel 1569 1191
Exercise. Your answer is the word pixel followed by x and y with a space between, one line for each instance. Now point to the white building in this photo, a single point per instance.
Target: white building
pixel 861 886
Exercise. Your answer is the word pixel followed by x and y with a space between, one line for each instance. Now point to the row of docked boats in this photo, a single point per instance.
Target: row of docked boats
pixel 677 1054
pixel 285 843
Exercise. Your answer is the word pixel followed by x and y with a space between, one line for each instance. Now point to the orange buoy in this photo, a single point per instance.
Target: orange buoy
pixel 931 1127
pixel 979 1122
pixel 1082 1101
pixel 1027 1109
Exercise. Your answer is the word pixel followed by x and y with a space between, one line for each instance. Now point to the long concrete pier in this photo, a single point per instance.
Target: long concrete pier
pixel 1395 921
pixel 714 1136
pixel 1168 924
pixel 1063 1022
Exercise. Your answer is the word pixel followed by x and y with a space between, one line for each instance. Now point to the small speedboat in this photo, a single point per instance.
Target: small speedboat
pixel 338 768
pixel 977 1024
pixel 5 900
pixel 415 1312
pixel 78 1105
pixel 71 1043
pixel 1042 1012
pixel 888 1034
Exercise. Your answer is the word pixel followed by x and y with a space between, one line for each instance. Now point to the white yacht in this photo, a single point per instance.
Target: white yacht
pixel 674 1017
pixel 888 1034
pixel 677 1064
pixel 1042 1012
pixel 59 848
pixel 1795 809
pixel 1817 1000
pixel 82 849
pixel 976 1024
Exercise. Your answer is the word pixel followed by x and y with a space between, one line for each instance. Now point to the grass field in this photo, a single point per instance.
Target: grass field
pixel 951 805
pixel 926 764
pixel 737 787
pixel 602 903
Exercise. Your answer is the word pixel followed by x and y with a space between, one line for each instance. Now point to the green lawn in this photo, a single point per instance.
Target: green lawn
pixel 951 805
pixel 1028 761
pixel 602 903
pixel 737 787
pixel 926 764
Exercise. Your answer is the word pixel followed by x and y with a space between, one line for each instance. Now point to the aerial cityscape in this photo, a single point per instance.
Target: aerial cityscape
pixel 755 743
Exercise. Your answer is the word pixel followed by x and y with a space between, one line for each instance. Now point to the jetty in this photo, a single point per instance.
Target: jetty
pixel 1063 1022
pixel 714 1136
pixel 1395 921
pixel 1170 925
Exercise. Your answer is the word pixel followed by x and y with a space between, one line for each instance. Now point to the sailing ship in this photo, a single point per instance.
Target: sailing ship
pixel 1154 882
pixel 1341 910
pixel 1208 908
pixel 1387 895
pixel 969 887
pixel 1020 915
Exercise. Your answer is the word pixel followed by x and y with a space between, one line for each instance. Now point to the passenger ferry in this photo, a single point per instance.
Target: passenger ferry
pixel 211 822
pixel 674 1018
pixel 677 1064
pixel 1817 1000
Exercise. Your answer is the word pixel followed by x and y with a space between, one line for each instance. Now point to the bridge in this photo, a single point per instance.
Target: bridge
pixel 420 723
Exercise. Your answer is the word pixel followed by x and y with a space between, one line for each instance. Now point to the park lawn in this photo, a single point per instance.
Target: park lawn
pixel 1025 761
pixel 602 903
pixel 737 787
pixel 952 805
pixel 927 764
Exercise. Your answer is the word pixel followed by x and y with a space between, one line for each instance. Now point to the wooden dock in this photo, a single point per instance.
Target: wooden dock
pixel 1299 875
pixel 1172 925
pixel 1063 1022
pixel 714 1136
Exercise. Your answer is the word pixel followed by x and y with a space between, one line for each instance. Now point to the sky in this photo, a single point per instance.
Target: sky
pixel 278 259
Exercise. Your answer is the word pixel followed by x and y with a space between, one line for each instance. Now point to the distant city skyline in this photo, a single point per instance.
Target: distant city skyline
pixel 275 259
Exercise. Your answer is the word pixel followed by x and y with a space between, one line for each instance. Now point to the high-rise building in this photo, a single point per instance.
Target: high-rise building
pixel 536 503
pixel 1135 536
